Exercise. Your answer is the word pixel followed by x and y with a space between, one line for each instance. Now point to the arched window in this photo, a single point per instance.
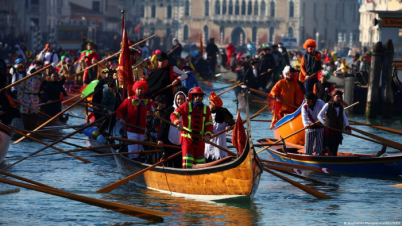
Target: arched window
pixel 224 7
pixel 169 12
pixel 153 11
pixel 262 8
pixel 255 8
pixel 185 33
pixel 254 35
pixel 206 8
pixel 237 8
pixel 290 32
pixel 230 10
pixel 217 7
pixel 271 34
pixel 142 11
pixel 291 9
pixel 243 7
pixel 249 8
pixel 187 8
pixel 206 32
pixel 272 14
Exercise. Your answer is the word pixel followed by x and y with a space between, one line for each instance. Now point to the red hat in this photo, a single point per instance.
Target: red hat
pixel 140 84
pixel 309 42
pixel 194 91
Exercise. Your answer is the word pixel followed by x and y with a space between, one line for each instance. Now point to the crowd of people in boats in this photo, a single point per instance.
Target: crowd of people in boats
pixel 288 77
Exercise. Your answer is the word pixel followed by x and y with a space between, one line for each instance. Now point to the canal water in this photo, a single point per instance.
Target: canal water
pixel 355 200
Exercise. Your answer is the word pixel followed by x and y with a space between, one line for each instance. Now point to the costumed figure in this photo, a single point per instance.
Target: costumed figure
pixel 191 81
pixel 284 52
pixel 175 53
pixel 222 120
pixel 68 71
pixel 212 50
pixel 230 51
pixel 134 111
pixel 195 118
pixel 310 65
pixel 266 68
pixel 18 74
pixel 98 94
pixel 87 56
pixel 309 112
pixel 48 57
pixel 28 92
pixel 323 88
pixel 279 62
pixel 286 92
pixel 52 92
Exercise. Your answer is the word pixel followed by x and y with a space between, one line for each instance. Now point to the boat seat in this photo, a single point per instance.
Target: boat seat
pixel 198 166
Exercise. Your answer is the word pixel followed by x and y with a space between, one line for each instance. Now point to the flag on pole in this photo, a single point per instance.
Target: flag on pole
pixel 239 137
pixel 201 45
pixel 125 74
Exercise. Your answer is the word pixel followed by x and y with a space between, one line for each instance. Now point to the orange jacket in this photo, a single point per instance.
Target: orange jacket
pixel 303 72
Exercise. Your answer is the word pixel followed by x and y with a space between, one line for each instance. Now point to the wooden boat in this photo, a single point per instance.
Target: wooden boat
pixel 32 121
pixel 288 125
pixel 343 163
pixel 5 137
pixel 229 177
pixel 226 74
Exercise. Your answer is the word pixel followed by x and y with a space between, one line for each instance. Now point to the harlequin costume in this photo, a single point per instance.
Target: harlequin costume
pixel 134 111
pixel 197 119
pixel 310 64
pixel 28 92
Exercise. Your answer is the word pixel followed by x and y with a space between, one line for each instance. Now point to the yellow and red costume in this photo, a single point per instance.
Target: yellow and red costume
pixel 196 119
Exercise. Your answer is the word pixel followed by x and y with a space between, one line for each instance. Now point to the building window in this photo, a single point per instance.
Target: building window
pixel 254 35
pixel 243 7
pixel 217 7
pixel 153 11
pixel 272 9
pixel 206 8
pixel 230 11
pixel 271 34
pixel 169 12
pixel 262 8
pixel 185 33
pixel 96 6
pixel 187 8
pixel 290 32
pixel 255 8
pixel 206 32
pixel 250 8
pixel 237 7
pixel 142 11
pixel 291 9
pixel 224 7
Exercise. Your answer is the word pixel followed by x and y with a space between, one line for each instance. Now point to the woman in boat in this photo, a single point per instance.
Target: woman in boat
pixel 169 134
pixel 222 120
pixel 332 115
pixel 52 92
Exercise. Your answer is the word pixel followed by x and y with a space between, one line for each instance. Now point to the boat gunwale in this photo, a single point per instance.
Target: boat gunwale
pixel 287 118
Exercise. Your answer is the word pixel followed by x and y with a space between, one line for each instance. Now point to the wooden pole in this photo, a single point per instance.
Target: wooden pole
pixel 79 150
pixel 236 85
pixel 387 95
pixel 377 127
pixel 26 78
pixel 349 91
pixel 374 81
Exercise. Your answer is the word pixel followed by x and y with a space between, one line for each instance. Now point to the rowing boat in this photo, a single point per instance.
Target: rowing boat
pixel 288 125
pixel 226 74
pixel 32 121
pixel 343 163
pixel 5 136
pixel 230 177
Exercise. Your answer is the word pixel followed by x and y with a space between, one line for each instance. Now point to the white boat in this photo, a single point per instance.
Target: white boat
pixel 5 137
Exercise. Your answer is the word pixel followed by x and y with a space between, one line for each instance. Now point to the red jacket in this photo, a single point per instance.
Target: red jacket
pixel 200 118
pixel 135 113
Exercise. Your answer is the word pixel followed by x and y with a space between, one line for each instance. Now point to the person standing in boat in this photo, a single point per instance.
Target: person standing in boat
pixel 134 111
pixel 310 65
pixel 18 74
pixel 48 56
pixel 287 94
pixel 195 118
pixel 98 95
pixel 332 115
pixel 323 88
pixel 309 112
pixel 52 92
pixel 266 68
pixel 28 91
pixel 222 120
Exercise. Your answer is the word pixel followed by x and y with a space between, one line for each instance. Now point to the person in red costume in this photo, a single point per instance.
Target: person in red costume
pixel 286 92
pixel 87 56
pixel 230 51
pixel 195 118
pixel 134 111
pixel 310 65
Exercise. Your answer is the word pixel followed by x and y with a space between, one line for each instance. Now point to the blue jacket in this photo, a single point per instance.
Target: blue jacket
pixel 191 81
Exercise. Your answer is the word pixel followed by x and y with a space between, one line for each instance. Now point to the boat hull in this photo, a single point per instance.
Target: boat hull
pixel 5 137
pixel 288 125
pixel 236 178
pixel 33 121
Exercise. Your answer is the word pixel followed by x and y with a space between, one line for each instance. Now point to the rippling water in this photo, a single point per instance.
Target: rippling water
pixel 354 199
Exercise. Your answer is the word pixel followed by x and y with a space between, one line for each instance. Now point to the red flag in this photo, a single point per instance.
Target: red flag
pixel 125 74
pixel 239 137
pixel 137 28
pixel 201 45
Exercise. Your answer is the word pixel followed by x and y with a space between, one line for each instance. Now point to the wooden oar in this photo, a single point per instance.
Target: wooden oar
pixel 122 153
pixel 261 120
pixel 236 85
pixel 284 169
pixel 57 149
pixel 378 127
pixel 244 121
pixel 72 98
pixel 311 191
pixel 24 179
pixel 54 101
pixel 26 78
pixel 134 126
pixel 382 140
pixel 123 181
pixel 260 102
pixel 143 213
pixel 397 185
pixel 57 141
pixel 311 168
pixel 79 150
pixel 298 176
pixel 151 144
pixel 54 117
pixel 267 95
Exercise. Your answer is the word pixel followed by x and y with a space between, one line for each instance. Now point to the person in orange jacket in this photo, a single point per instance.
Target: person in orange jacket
pixel 310 65
pixel 134 111
pixel 195 126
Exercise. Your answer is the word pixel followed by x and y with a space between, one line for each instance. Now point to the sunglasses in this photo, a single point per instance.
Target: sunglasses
pixel 20 67
pixel 198 95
